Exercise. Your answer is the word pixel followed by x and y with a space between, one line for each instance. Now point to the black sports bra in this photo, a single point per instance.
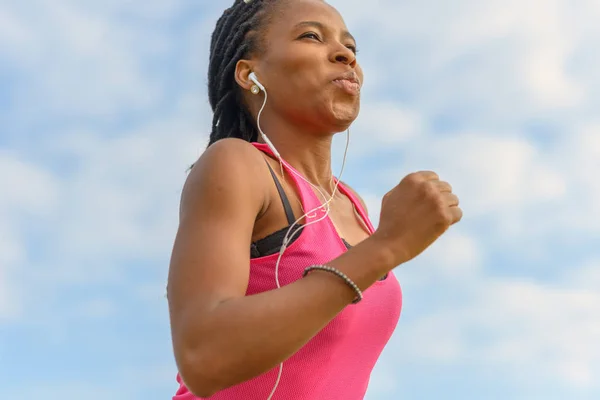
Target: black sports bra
pixel 272 243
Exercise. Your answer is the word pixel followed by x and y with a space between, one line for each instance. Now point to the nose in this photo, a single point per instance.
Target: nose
pixel 344 55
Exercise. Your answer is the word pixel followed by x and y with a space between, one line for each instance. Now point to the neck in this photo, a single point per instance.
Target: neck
pixel 309 153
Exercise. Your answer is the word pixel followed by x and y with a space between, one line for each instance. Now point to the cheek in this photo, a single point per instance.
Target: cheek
pixel 295 72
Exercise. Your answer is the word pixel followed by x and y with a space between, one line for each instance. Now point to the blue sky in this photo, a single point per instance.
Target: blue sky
pixel 103 106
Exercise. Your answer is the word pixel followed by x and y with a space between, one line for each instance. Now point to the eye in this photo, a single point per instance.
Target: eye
pixel 311 35
pixel 352 48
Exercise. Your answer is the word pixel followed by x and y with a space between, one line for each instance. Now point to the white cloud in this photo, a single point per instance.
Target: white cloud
pixel 498 60
pixel 579 154
pixel 526 329
pixel 57 391
pixel 29 188
pixel 12 254
pixel 99 308
pixel 82 60
pixel 384 124
pixel 454 257
pixel 492 173
pixel 30 196
pixel 12 32
pixel 587 276
pixel 124 195
pixel 118 201
pixel 488 71
pixel 553 329
pixel 520 188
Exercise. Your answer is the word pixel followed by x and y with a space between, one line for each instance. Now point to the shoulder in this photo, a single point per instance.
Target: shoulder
pixel 234 158
pixel 362 202
pixel 228 167
pixel 229 150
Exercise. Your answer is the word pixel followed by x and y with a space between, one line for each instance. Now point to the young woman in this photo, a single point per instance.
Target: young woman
pixel 263 306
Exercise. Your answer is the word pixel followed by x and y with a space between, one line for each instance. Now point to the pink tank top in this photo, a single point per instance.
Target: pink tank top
pixel 336 364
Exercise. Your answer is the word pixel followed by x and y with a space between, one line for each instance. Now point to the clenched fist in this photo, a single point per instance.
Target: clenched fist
pixel 415 213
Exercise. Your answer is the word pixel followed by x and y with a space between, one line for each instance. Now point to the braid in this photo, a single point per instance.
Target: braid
pixel 237 35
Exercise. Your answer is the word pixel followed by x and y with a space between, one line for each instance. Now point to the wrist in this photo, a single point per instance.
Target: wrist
pixel 385 254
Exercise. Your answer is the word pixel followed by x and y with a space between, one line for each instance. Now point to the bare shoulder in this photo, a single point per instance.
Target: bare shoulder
pixel 228 158
pixel 232 147
pixel 229 166
pixel 355 193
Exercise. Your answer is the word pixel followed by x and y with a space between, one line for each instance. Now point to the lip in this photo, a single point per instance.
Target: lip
pixel 348 82
pixel 349 76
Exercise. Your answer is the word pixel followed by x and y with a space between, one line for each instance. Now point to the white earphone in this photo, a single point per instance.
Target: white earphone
pixel 254 79
pixel 291 231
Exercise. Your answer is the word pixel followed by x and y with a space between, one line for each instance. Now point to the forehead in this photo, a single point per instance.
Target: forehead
pixel 287 17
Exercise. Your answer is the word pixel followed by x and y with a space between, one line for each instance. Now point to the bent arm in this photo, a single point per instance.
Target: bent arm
pixel 220 336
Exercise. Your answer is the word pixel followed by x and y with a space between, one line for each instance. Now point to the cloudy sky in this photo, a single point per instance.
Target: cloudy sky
pixel 103 106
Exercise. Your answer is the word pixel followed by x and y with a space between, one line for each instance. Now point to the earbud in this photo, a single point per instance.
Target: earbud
pixel 254 79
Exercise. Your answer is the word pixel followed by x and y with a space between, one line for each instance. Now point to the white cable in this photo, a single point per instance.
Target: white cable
pixel 325 206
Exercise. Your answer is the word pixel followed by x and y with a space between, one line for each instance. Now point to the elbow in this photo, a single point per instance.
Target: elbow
pixel 201 392
pixel 199 376
pixel 198 382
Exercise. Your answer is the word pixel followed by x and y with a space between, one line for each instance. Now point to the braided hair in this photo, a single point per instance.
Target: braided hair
pixel 237 35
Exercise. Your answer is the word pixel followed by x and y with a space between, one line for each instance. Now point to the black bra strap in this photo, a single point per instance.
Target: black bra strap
pixel 289 213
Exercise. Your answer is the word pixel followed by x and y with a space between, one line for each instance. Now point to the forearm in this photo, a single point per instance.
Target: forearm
pixel 245 337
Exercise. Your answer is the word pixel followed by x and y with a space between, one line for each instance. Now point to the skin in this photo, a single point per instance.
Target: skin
pixel 220 336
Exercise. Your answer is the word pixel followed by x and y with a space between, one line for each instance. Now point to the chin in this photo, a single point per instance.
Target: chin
pixel 342 126
pixel 343 116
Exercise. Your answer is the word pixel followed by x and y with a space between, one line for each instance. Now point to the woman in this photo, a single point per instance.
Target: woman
pixel 248 322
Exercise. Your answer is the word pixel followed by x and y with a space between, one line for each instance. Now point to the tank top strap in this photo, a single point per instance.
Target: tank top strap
pixel 357 204
pixel 307 195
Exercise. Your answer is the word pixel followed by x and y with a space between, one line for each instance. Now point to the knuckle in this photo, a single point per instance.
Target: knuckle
pixel 412 178
pixel 444 222
pixel 430 191
pixel 441 210
pixel 445 219
pixel 432 175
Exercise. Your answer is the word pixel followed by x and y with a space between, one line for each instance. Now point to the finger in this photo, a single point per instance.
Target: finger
pixel 429 175
pixel 442 186
pixel 451 199
pixel 457 214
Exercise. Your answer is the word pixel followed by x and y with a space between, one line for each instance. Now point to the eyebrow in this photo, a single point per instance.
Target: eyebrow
pixel 319 25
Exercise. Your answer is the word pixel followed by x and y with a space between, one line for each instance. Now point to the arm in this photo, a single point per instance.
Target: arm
pixel 220 336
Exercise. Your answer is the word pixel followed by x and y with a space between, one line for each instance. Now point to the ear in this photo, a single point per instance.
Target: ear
pixel 243 68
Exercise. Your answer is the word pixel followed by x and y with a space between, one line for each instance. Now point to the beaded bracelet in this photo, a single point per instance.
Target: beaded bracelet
pixel 344 277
